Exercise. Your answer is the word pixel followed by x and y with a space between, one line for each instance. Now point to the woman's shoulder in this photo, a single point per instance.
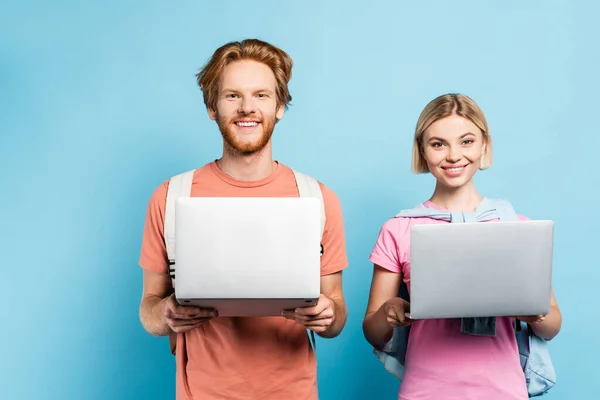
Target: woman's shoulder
pixel 400 225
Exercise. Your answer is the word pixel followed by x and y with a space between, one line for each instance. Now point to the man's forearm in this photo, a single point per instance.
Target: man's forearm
pixel 339 319
pixel 152 318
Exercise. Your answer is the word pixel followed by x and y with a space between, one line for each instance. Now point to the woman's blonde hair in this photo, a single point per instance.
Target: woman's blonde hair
pixel 442 107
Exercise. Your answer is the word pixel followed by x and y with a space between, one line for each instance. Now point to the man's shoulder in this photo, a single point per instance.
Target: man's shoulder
pixel 204 169
pixel 160 191
pixel 328 193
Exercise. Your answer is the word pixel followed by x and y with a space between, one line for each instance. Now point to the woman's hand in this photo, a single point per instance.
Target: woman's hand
pixel 396 311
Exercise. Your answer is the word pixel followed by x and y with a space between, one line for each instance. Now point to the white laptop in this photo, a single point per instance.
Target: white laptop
pixel 247 256
pixel 481 269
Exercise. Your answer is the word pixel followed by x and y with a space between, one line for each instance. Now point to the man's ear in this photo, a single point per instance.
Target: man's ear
pixel 280 112
pixel 212 114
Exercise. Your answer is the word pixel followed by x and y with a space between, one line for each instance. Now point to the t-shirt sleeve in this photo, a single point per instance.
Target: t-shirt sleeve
pixel 386 253
pixel 334 258
pixel 153 255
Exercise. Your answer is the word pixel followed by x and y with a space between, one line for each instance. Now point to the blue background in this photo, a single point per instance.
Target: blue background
pixel 98 105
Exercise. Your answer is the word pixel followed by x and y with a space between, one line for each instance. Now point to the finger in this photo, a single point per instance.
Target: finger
pixel 183 312
pixel 320 323
pixel 395 323
pixel 325 314
pixel 401 318
pixel 315 310
pixel 173 323
pixel 173 308
pixel 319 326
pixel 318 329
pixel 186 328
pixel 289 314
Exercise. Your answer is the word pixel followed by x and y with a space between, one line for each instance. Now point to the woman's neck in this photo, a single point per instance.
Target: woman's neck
pixel 464 198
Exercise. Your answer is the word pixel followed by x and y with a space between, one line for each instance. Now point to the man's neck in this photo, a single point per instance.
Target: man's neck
pixel 463 199
pixel 253 167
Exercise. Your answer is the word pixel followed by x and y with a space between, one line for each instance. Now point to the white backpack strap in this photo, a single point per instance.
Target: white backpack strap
pixel 309 187
pixel 179 186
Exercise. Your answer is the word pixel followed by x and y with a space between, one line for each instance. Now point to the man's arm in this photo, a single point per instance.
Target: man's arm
pixel 331 288
pixel 160 313
pixel 328 317
pixel 157 288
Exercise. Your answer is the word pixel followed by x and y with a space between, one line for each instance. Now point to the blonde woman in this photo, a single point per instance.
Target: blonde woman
pixel 443 361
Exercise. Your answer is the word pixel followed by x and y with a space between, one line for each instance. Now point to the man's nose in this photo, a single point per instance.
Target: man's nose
pixel 247 106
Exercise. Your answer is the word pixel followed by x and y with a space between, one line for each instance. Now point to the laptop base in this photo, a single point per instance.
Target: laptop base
pixel 249 307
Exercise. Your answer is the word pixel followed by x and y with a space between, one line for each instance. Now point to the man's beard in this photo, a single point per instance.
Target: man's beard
pixel 227 128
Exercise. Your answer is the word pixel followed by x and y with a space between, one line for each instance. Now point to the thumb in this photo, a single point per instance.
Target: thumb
pixel 406 309
pixel 406 305
pixel 288 314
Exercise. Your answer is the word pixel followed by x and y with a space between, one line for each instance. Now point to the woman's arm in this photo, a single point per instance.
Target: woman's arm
pixel 385 309
pixel 546 327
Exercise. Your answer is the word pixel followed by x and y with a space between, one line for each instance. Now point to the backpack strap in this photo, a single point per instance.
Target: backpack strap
pixel 309 187
pixel 179 186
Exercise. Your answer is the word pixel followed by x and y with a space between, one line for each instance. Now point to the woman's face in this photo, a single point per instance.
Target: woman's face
pixel 453 147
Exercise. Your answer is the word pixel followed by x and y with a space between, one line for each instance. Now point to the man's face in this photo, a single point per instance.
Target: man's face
pixel 247 107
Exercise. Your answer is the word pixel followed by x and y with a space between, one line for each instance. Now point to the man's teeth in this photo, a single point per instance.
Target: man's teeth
pixel 243 123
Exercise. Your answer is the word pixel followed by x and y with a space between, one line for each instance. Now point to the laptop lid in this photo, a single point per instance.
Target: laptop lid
pixel 235 253
pixel 481 269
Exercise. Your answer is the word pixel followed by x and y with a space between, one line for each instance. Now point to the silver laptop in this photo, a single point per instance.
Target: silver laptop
pixel 481 269
pixel 247 256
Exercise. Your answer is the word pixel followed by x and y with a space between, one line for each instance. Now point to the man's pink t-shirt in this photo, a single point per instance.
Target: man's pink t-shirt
pixel 442 362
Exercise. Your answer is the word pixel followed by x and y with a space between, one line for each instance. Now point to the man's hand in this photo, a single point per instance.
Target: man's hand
pixel 530 319
pixel 185 318
pixel 317 318
pixel 395 311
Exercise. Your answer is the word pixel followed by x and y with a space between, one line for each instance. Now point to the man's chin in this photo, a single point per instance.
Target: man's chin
pixel 249 145
pixel 247 149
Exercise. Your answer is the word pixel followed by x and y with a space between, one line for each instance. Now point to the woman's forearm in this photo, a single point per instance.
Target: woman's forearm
pixel 550 326
pixel 376 329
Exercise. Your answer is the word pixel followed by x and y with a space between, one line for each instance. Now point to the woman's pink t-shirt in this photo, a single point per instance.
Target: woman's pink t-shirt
pixel 442 362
